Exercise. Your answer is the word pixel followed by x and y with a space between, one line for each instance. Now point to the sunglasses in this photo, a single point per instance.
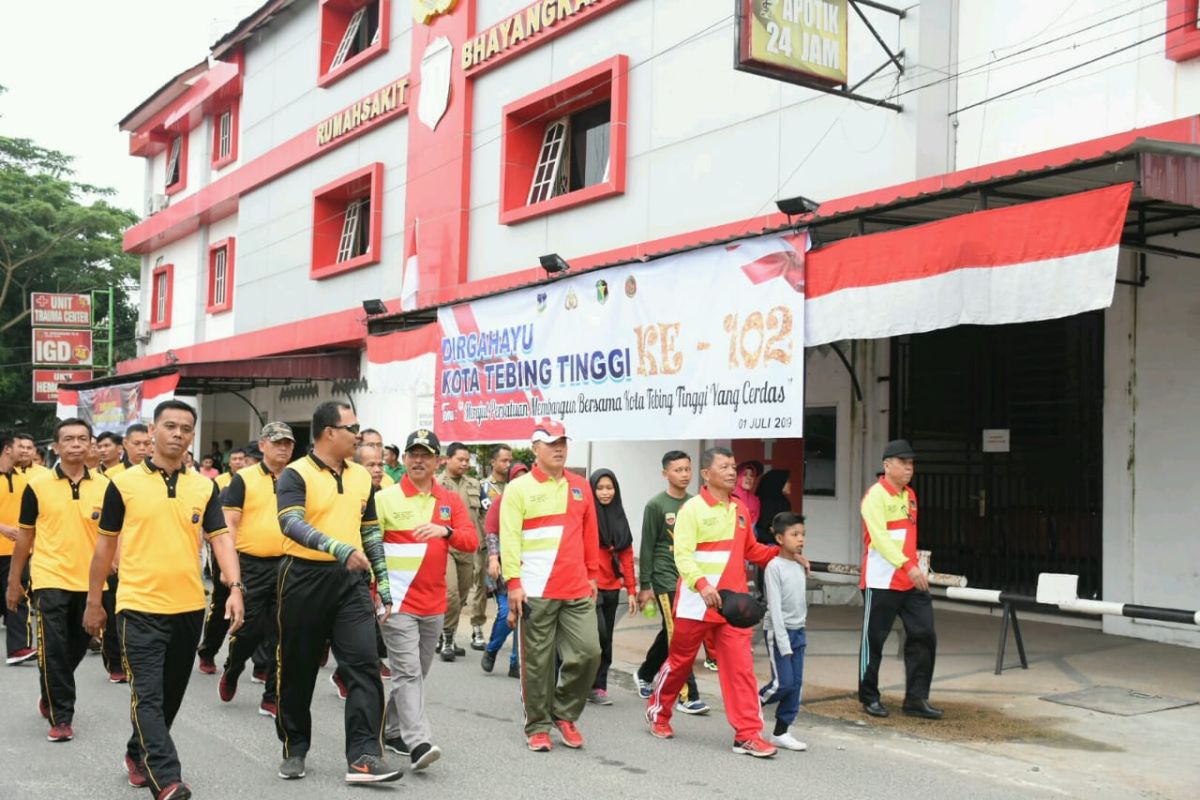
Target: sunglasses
pixel 352 428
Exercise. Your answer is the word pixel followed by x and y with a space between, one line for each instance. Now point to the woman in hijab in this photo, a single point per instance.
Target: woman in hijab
pixel 774 492
pixel 748 473
pixel 616 570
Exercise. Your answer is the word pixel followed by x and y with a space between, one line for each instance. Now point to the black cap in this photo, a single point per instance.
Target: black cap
pixel 899 448
pixel 253 451
pixel 424 439
pixel 740 609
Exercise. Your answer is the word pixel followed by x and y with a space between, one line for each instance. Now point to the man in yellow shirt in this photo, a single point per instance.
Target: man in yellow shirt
pixel 22 644
pixel 60 511
pixel 333 545
pixel 161 511
pixel 25 450
pixel 252 515
pixel 108 445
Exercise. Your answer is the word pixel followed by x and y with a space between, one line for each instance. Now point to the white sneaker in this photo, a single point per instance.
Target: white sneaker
pixel 788 742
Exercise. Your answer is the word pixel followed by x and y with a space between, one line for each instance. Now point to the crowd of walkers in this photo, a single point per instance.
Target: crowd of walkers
pixel 371 554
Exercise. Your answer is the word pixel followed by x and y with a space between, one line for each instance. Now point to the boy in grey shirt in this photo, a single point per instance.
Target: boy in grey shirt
pixel 784 584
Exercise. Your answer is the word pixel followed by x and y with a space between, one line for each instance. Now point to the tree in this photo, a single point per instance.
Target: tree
pixel 56 235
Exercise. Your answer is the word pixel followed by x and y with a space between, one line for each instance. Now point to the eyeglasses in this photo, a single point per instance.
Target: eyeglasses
pixel 352 428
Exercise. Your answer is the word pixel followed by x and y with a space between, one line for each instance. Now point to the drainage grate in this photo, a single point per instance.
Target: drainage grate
pixel 1119 701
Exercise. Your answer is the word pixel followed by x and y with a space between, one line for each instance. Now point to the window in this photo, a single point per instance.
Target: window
pixel 175 178
pixel 820 451
pixel 220 276
pixel 565 145
pixel 225 136
pixel 162 281
pixel 352 33
pixel 347 223
pixel 1183 29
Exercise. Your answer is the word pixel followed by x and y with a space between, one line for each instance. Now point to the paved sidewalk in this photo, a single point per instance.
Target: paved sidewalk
pixel 999 722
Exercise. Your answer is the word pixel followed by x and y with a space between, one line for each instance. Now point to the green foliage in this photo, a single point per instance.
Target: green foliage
pixel 56 235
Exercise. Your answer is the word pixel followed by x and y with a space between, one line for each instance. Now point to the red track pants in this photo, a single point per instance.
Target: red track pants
pixel 739 689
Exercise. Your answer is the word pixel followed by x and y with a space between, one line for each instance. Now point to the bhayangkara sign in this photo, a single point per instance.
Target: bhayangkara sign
pixel 707 344
pixel 799 41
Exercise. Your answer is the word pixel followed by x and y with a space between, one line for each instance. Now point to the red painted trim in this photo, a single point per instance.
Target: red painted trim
pixel 181 184
pixel 546 33
pixel 217 161
pixel 169 270
pixel 1183 37
pixel 327 221
pixel 335 16
pixel 216 86
pixel 403 345
pixel 230 247
pixel 220 198
pixel 521 145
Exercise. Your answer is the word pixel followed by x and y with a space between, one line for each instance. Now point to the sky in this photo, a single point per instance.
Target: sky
pixel 72 76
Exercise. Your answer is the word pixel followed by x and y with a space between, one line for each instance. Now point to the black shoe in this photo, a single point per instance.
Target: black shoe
pixel 458 651
pixel 922 709
pixel 371 769
pixel 396 745
pixel 423 755
pixel 875 709
pixel 292 768
pixel 477 640
pixel 446 648
pixel 488 662
pixel 514 670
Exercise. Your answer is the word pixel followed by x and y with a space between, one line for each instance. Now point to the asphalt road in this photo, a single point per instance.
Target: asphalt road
pixel 229 751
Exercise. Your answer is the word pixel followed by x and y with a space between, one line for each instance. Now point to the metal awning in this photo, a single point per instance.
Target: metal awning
pixel 236 376
pixel 1165 174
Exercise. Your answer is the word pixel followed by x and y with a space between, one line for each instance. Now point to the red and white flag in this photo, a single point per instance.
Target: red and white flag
pixel 1041 260
pixel 410 284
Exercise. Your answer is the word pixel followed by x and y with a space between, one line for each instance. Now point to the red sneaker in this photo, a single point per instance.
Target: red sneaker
pixel 118 677
pixel 268 709
pixel 227 688
pixel 208 667
pixel 176 791
pixel 662 730
pixel 137 778
pixel 60 733
pixel 754 747
pixel 540 743
pixel 21 656
pixel 43 709
pixel 339 685
pixel 258 676
pixel 571 736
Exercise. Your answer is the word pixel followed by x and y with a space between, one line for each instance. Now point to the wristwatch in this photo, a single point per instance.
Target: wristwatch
pixel 238 585
pixel 449 531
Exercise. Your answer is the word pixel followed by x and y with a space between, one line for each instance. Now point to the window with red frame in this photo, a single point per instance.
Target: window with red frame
pixel 565 145
pixel 176 173
pixel 162 284
pixel 1183 29
pixel 353 32
pixel 225 136
pixel 347 223
pixel 220 276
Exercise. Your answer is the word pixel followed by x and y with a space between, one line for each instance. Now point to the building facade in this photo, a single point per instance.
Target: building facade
pixel 328 152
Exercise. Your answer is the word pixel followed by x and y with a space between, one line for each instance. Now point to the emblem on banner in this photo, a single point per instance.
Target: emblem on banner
pixel 433 97
pixel 572 301
pixel 541 302
pixel 630 286
pixel 577 494
pixel 444 511
pixel 602 291
pixel 425 10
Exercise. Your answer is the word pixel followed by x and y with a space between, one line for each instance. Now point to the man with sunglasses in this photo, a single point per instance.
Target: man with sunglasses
pixel 332 546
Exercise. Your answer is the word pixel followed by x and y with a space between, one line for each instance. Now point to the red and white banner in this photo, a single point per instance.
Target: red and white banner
pixel 60 310
pixel 54 348
pixel 1041 260
pixel 46 381
pixel 116 407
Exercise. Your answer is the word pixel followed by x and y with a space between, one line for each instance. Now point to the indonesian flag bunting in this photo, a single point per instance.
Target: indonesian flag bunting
pixel 114 408
pixel 1040 260
pixel 411 281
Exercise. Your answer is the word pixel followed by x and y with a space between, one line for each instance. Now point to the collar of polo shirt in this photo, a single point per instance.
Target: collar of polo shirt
pixel 58 472
pixel 711 499
pixel 541 476
pixel 322 465
pixel 409 488
pixel 151 467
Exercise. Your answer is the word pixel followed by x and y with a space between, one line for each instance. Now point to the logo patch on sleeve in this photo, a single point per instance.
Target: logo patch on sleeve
pixel 96 514
pixel 444 512
pixel 577 494
pixel 195 517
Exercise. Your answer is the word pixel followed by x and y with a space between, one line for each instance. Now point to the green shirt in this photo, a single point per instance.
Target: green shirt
pixel 657 560
pixel 395 473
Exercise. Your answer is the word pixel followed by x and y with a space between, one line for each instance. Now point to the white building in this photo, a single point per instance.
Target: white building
pixel 311 112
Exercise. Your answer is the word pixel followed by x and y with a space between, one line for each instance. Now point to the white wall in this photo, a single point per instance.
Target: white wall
pixel 1152 377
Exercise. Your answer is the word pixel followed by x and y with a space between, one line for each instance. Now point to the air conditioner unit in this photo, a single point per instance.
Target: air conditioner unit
pixel 143 336
pixel 157 203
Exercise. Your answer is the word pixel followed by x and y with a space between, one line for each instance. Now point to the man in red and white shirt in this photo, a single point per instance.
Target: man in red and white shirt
pixel 549 555
pixel 421 522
